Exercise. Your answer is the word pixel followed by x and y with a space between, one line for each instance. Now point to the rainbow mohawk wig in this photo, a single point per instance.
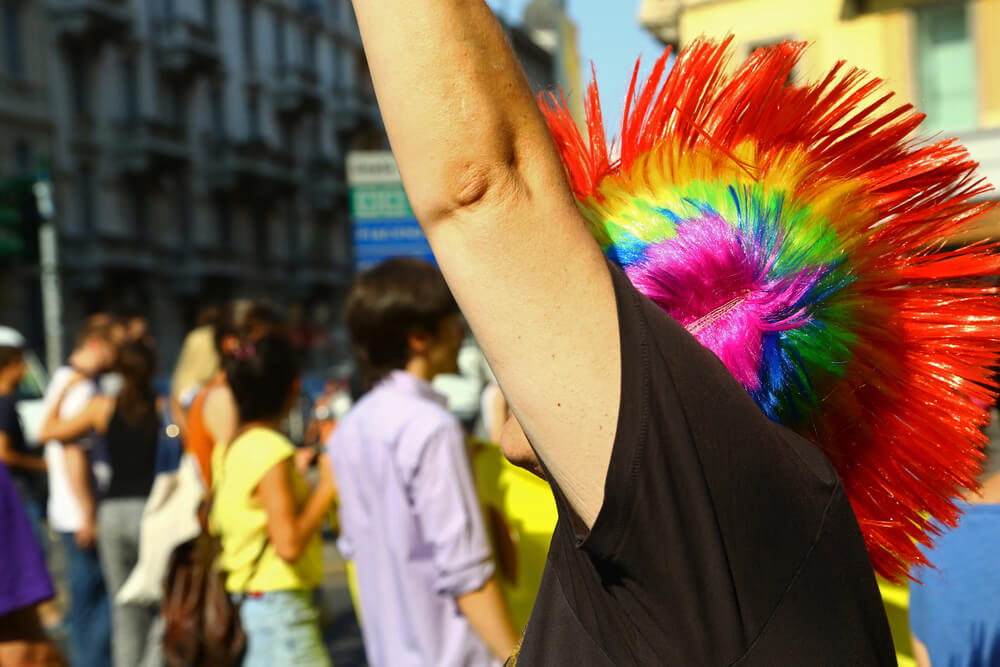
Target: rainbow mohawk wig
pixel 801 233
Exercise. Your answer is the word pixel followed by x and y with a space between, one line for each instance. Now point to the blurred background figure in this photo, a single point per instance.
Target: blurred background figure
pixel 197 368
pixel 130 425
pixel 408 509
pixel 74 477
pixel 266 517
pixel 24 583
pixel 955 605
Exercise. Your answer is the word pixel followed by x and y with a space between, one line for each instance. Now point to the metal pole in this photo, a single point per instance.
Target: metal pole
pixel 48 260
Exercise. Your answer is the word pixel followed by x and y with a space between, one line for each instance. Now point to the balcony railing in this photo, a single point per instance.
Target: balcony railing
pixel 185 47
pixel 250 168
pixel 147 146
pixel 296 89
pixel 90 20
pixel 326 187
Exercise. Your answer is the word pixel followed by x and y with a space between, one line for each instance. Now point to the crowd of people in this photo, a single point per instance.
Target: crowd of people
pixel 407 500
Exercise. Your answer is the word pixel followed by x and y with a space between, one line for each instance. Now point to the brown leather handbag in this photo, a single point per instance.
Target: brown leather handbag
pixel 202 622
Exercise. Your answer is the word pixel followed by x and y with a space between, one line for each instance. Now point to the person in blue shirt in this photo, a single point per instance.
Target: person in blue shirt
pixel 955 605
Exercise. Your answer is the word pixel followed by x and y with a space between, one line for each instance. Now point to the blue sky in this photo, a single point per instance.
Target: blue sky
pixel 610 36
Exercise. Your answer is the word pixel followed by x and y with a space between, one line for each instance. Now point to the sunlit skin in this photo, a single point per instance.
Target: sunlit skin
pixel 516 448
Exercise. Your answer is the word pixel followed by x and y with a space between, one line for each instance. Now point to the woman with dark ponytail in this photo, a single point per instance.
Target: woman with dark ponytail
pixel 129 424
pixel 267 518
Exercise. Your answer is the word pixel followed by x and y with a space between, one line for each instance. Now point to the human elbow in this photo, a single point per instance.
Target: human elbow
pixel 288 550
pixel 476 185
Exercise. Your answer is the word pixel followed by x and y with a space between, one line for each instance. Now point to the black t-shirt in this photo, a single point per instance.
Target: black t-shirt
pixel 29 483
pixel 724 538
pixel 132 455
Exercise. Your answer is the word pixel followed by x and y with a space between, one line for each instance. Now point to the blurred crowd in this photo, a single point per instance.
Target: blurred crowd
pixel 122 480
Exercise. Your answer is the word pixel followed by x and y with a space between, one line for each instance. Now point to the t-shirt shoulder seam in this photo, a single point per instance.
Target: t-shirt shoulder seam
pixel 798 571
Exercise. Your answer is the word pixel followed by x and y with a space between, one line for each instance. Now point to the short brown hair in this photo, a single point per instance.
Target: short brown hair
pixel 96 326
pixel 10 354
pixel 388 303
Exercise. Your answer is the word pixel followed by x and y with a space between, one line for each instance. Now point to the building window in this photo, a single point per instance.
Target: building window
pixel 79 84
pixel 217 112
pixel 86 197
pixel 279 41
pixel 947 71
pixel 253 116
pixel 310 47
pixel 168 9
pixel 176 105
pixel 210 13
pixel 140 212
pixel 22 158
pixel 335 64
pixel 12 40
pixel 223 223
pixel 185 212
pixel 294 231
pixel 287 137
pixel 261 238
pixel 130 89
pixel 247 32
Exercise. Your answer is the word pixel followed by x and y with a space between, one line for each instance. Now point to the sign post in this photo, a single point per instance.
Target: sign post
pixel 383 224
pixel 48 260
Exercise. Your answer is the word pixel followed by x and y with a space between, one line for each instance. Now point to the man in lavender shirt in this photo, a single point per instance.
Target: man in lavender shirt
pixel 409 515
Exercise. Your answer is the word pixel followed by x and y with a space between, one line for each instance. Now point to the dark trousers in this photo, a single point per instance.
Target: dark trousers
pixel 89 617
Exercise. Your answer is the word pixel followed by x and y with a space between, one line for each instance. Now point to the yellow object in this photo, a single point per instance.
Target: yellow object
pixel 241 521
pixel 896 599
pixel 520 515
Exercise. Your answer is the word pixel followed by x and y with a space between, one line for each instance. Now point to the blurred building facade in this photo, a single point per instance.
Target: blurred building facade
pixel 942 56
pixel 549 24
pixel 197 153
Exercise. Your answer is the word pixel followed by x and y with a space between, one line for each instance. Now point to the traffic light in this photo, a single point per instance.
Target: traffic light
pixel 18 219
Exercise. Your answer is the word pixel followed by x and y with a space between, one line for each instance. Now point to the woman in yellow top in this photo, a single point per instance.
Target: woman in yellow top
pixel 264 513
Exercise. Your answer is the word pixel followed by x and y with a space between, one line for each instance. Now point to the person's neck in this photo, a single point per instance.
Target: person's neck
pixel 7 386
pixel 269 424
pixel 420 367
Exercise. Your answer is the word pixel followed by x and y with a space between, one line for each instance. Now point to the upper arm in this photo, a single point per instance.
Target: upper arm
pixel 219 414
pixel 486 183
pixel 536 290
pixel 5 446
pixel 274 492
pixel 93 416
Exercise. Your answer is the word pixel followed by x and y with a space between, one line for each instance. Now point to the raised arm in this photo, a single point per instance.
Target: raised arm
pixel 486 184
pixel 93 417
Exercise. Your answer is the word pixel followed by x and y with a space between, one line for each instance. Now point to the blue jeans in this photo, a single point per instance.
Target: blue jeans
pixel 282 628
pixel 89 616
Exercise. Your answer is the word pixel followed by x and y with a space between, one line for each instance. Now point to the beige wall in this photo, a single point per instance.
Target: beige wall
pixel 881 41
pixel 987 19
pixel 874 42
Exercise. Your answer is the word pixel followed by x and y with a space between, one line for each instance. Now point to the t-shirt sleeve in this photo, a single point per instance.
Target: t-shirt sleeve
pixel 255 455
pixel 447 509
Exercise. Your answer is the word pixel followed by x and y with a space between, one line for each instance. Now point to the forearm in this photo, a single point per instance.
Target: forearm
pixel 14 459
pixel 488 616
pixel 78 472
pixel 458 111
pixel 311 519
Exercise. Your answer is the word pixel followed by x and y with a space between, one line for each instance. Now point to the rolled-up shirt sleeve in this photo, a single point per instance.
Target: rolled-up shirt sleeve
pixel 449 515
